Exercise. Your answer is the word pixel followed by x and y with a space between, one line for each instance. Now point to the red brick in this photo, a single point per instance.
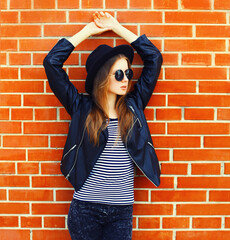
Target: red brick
pixel 213 31
pixel 14 208
pixel 45 155
pixel 166 4
pixel 50 181
pixel 227 222
pixel 9 17
pixel 175 222
pixel 63 115
pixel 199 100
pixel 206 223
pixel 203 182
pixel 21 86
pixel 68 4
pixel 10 127
pixel 178 196
pixel 195 73
pixel 141 195
pixel 140 4
pixel 3 4
pixel 217 142
pixel 25 4
pixel 64 195
pixel 28 168
pixel 31 195
pixel 199 235
pixel 152 209
pixel 219 196
pixel 203 209
pixel 41 100
pixel 195 17
pixel 198 114
pixel 222 59
pixel 46 114
pixel 223 114
pixel 46 127
pixel 7 168
pixel 12 154
pixel 36 45
pixel 92 4
pixel 14 234
pixel 201 155
pixel 51 234
pixel 198 128
pixel 176 142
pixel 156 128
pixel 149 114
pixel 168 114
pixel 4 114
pixel 195 4
pixel 50 209
pixel 31 222
pixel 9 73
pixel 166 30
pixel 54 222
pixel 8 45
pixel 140 17
pixel 19 59
pixel 21 113
pixel 149 235
pixel 21 31
pixel 206 45
pixel 170 58
pixel 222 4
pixel 214 87
pixel 196 59
pixel 3 58
pixel 25 141
pixel 175 87
pixel 44 4
pixel 116 4
pixel 143 182
pixel 206 168
pixel 148 222
pixel 157 100
pixel 50 168
pixel 8 221
pixel 43 17
pixel 33 73
pixel 227 168
pixel 174 168
pixel 14 181
pixel 57 141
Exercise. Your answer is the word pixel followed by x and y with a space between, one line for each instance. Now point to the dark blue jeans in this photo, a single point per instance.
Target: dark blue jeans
pixel 95 221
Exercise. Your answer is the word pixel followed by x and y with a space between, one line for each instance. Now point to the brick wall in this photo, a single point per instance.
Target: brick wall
pixel 188 116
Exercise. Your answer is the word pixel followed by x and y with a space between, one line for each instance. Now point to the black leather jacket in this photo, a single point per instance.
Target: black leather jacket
pixel 79 155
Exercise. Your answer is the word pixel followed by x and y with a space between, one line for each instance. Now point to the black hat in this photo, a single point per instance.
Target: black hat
pixel 99 56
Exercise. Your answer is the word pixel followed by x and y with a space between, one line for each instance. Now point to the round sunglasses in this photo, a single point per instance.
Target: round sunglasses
pixel 119 74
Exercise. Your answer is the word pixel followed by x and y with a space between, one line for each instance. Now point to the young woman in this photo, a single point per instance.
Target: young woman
pixel 108 133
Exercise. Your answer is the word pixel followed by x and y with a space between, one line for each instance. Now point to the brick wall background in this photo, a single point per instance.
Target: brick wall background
pixel 188 116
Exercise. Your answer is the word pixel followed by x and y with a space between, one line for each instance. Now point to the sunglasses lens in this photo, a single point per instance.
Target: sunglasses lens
pixel 129 73
pixel 119 75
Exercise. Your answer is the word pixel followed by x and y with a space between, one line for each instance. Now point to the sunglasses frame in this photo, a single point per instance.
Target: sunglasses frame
pixel 124 73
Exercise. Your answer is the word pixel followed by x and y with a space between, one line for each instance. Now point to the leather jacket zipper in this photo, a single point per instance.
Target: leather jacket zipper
pixel 67 176
pixel 69 151
pixel 129 153
pixel 131 107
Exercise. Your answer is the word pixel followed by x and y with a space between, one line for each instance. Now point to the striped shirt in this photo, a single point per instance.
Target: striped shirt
pixel 111 179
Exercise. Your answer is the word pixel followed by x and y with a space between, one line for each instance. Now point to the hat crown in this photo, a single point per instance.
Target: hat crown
pixel 97 54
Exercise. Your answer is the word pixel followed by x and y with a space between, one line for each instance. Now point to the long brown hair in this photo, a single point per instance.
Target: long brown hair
pixel 96 120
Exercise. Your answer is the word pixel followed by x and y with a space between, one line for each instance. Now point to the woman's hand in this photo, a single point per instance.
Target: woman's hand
pixel 105 20
pixel 93 29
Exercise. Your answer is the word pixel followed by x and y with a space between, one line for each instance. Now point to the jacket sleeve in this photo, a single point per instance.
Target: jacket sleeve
pixel 152 60
pixel 58 80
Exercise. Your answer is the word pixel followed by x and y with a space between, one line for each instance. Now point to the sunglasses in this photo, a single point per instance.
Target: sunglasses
pixel 119 74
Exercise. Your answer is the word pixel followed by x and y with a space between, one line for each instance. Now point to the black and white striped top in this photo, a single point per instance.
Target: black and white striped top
pixel 111 179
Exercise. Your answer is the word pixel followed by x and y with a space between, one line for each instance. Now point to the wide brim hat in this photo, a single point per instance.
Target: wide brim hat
pixel 99 56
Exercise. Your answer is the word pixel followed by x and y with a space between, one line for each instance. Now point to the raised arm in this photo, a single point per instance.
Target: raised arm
pixel 59 82
pixel 149 53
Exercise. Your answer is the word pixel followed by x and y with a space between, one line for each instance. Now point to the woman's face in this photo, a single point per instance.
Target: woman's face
pixel 118 87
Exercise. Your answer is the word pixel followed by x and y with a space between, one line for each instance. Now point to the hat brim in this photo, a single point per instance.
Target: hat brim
pixel 121 49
